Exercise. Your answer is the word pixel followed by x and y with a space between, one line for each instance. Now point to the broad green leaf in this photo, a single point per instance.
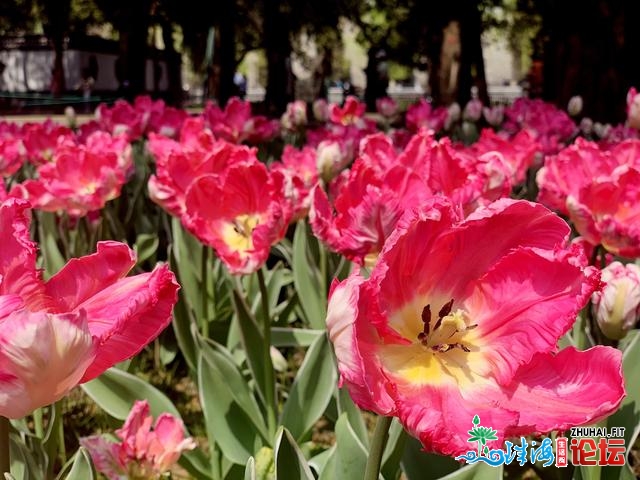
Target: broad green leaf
pixel 418 465
pixel 146 246
pixel 254 345
pixel 220 357
pixel 312 389
pixel 294 337
pixel 628 414
pixel 319 461
pixel 187 263
pixel 23 464
pixel 231 417
pixel 53 258
pixel 82 468
pixel 116 391
pixel 290 462
pixel 479 471
pixel 250 469
pixel 184 326
pixel 196 463
pixel 393 450
pixel 351 454
pixel 326 466
pixel 308 279
pixel 346 405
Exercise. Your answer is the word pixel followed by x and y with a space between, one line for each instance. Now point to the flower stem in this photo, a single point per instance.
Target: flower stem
pixel 5 459
pixel 204 270
pixel 379 441
pixel 270 396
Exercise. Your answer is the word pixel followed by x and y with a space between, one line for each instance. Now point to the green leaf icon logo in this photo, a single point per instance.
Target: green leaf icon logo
pixel 476 420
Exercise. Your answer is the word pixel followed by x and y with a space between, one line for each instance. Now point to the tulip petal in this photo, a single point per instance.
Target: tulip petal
pixel 555 392
pixel 81 278
pixel 523 305
pixel 18 274
pixel 42 357
pixel 365 383
pixel 105 456
pixel 128 314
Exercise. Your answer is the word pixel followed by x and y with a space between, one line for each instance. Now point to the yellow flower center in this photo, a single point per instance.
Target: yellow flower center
pixel 237 234
pixel 442 347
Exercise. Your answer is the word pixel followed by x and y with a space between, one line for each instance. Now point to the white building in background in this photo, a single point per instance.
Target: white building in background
pixel 28 62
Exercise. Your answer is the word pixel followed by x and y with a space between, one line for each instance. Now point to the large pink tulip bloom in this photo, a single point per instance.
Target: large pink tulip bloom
pixel 462 318
pixel 68 330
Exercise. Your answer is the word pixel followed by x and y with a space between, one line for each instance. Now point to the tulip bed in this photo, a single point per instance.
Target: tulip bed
pixel 329 295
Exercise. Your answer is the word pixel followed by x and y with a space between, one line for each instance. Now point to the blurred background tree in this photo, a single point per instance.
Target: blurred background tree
pixel 559 54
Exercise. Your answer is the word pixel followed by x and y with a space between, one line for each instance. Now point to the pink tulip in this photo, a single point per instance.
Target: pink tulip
pixel 68 330
pixel 143 451
pixel 236 124
pixel 462 318
pixel 80 178
pixel 241 214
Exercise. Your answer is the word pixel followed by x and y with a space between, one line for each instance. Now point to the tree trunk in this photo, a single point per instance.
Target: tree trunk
pixel 131 66
pixel 471 72
pixel 174 65
pixel 57 13
pixel 227 51
pixel 278 49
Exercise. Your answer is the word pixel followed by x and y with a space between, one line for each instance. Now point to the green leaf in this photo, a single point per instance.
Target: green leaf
pixel 418 465
pixel 320 461
pixel 308 280
pixel 115 391
pixel 393 450
pixel 294 337
pixel 628 414
pixel 82 467
pixel 23 463
pixel 53 258
pixel 232 417
pixel 479 471
pixel 312 389
pixel 233 378
pixel 290 462
pixel 146 246
pixel 346 405
pixel 253 343
pixel 187 263
pixel 195 462
pixel 351 454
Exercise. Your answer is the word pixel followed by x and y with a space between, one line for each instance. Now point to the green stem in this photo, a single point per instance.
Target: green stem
pixel 5 458
pixel 204 320
pixel 378 442
pixel 37 421
pixel 270 396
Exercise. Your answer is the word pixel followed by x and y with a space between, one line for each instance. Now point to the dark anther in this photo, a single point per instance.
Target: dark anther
pixel 444 311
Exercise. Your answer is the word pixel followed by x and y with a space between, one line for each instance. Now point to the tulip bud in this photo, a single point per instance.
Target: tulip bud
pixel 575 106
pixel 387 107
pixel 633 109
pixel 472 110
pixel 494 116
pixel 321 110
pixel 453 115
pixel 617 307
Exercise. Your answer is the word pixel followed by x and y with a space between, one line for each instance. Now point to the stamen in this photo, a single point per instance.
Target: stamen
pixel 446 309
pixel 426 319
